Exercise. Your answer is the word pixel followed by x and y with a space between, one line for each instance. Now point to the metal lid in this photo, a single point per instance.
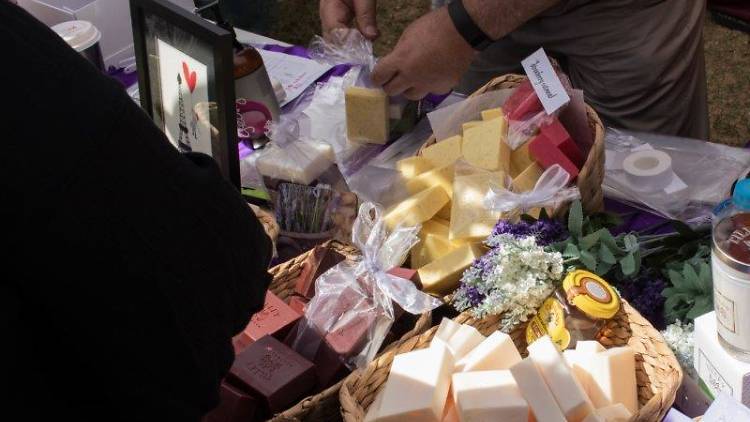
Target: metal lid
pixel 731 242
pixel 78 34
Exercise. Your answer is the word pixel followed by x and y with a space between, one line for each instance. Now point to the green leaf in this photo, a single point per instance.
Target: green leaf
pixel 543 214
pixel 627 264
pixel 571 251
pixel 592 239
pixel 575 219
pixel 630 242
pixel 588 259
pixel 606 255
pixel 603 268
pixel 705 278
pixel 637 257
pixel 676 279
pixel 611 242
pixel 669 291
pixel 701 306
pixel 691 277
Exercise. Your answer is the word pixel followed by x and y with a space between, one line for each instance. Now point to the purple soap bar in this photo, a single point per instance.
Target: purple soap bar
pixel 321 259
pixel 273 373
pixel 234 406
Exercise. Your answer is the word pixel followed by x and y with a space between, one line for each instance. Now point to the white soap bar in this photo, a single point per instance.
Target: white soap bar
pixel 301 163
pixel 496 352
pixel 450 414
pixel 594 417
pixel 488 396
pixel 464 340
pixel 445 331
pixel 615 413
pixel 536 392
pixel 613 378
pixel 589 347
pixel 372 412
pixel 568 392
pixel 580 362
pixel 417 386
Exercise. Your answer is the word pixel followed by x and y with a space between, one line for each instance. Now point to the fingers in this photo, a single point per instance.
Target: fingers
pixel 396 86
pixel 364 13
pixel 334 14
pixel 415 93
pixel 384 71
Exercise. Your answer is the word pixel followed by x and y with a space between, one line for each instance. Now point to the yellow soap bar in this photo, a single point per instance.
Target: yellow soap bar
pixel 520 160
pixel 441 277
pixel 470 219
pixel 484 146
pixel 445 212
pixel 469 125
pixel 442 177
pixel 418 208
pixel 526 181
pixel 492 113
pixel 445 152
pixel 413 166
pixel 435 227
pixel 367 115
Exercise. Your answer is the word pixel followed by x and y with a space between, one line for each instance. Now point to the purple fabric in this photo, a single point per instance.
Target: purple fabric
pixel 636 220
pixel 126 79
pixel 244 150
pixel 299 51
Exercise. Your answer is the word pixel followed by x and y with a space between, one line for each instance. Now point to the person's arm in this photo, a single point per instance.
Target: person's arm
pixel 498 18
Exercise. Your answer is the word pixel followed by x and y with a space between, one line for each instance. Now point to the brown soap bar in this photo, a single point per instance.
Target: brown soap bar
pixel 298 304
pixel 349 334
pixel 320 260
pixel 330 367
pixel 274 373
pixel 234 406
pixel 240 343
pixel 275 319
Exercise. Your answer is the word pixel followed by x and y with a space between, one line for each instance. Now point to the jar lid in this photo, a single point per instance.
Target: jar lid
pixel 78 34
pixel 731 242
pixel 591 294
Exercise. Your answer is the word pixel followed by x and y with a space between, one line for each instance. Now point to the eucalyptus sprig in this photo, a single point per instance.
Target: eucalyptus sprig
pixel 691 291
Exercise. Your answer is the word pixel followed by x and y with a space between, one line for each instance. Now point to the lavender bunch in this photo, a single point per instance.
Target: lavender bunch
pixel 645 294
pixel 546 232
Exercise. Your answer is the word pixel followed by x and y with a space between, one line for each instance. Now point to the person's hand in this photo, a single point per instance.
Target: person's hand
pixel 339 14
pixel 429 57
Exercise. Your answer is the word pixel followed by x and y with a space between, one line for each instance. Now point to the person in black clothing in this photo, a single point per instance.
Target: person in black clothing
pixel 127 267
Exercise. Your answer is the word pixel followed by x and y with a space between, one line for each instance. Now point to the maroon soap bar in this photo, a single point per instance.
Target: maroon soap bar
pixel 298 304
pixel 321 259
pixel 275 319
pixel 547 155
pixel 272 372
pixel 240 343
pixel 523 102
pixel 350 333
pixel 330 367
pixel 234 406
pixel 558 136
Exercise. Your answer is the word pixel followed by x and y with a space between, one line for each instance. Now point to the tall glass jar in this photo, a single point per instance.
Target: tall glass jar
pixel 256 101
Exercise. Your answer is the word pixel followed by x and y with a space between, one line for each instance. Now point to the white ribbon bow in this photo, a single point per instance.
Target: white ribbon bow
pixel 550 190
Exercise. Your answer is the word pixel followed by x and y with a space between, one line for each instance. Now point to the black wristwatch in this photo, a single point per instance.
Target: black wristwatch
pixel 466 26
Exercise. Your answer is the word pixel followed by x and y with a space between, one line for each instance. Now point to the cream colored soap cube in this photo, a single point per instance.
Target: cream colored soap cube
pixel 417 387
pixel 445 152
pixel 494 353
pixel 441 277
pixel 418 208
pixel 469 125
pixel 589 347
pixel 442 177
pixel 568 392
pixel 580 362
pixel 488 396
pixel 492 113
pixel 613 378
pixel 436 247
pixel 413 166
pixel 433 243
pixel 536 392
pixel 463 341
pixel 594 417
pixel 484 146
pixel 445 331
pixel 450 414
pixel 470 219
pixel 367 115
pixel 615 413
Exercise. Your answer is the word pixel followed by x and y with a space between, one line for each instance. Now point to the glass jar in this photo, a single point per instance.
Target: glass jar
pixel 256 101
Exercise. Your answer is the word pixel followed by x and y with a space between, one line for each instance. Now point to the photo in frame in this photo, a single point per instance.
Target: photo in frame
pixel 186 81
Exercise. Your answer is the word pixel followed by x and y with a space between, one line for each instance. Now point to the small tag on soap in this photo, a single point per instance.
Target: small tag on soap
pixel 544 79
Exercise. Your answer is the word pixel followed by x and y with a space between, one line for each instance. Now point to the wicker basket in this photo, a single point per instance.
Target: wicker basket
pixel 592 174
pixel 324 406
pixel 268 221
pixel 657 371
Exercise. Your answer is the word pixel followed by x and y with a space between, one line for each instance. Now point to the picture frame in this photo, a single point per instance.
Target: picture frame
pixel 186 80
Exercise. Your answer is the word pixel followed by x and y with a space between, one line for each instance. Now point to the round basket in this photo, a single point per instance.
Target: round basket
pixel 657 371
pixel 324 406
pixel 591 175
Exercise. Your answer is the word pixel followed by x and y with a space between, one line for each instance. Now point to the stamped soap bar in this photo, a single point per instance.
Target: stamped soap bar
pixel 320 260
pixel 234 406
pixel 275 319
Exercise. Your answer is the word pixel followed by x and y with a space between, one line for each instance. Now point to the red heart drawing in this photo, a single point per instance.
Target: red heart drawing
pixel 190 77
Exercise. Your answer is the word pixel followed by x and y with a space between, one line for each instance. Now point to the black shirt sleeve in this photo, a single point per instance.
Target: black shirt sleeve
pixel 129 266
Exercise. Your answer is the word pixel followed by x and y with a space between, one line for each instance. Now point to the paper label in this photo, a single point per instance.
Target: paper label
pixel 545 81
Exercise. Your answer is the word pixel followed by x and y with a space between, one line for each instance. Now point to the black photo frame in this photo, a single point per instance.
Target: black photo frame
pixel 162 32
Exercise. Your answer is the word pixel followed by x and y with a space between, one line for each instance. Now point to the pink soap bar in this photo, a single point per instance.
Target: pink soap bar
pixel 522 103
pixel 547 155
pixel 406 273
pixel 560 138
pixel 298 304
pixel 275 319
pixel 350 332
pixel 234 406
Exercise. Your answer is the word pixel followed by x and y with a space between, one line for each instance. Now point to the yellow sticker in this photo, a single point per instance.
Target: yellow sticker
pixel 550 320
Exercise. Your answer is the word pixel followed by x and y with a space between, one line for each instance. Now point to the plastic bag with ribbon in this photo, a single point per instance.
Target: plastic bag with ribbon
pixel 551 190
pixel 356 303
pixel 345 46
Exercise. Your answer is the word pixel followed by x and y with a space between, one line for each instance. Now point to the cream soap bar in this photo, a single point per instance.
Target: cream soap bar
pixel 469 125
pixel 526 181
pixel 367 115
pixel 613 378
pixel 568 392
pixel 492 113
pixel 417 387
pixel 418 208
pixel 441 277
pixel 275 163
pixel 470 219
pixel 433 243
pixel 615 413
pixel 589 347
pixel 496 352
pixel 488 396
pixel 580 362
pixel 445 152
pixel 463 341
pixel 445 331
pixel 484 146
pixel 442 177
pixel 536 392
pixel 413 166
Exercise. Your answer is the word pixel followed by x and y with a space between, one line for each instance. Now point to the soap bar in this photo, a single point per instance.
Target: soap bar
pixel 523 102
pixel 234 406
pixel 420 254
pixel 436 247
pixel 413 166
pixel 445 212
pixel 350 333
pixel 463 341
pixel 536 392
pixel 407 274
pixel 615 413
pixel 492 113
pixel 613 378
pixel 526 181
pixel 330 367
pixel 484 146
pixel 471 220
pixel 568 392
pixel 558 136
pixel 445 152
pixel 374 409
pixel 367 115
pixel 298 304
pixel 321 259
pixel 312 160
pixel 442 177
pixel 469 125
pixel 594 417
pixel 450 414
pixel 417 387
pixel 418 208
pixel 442 276
pixel 275 319
pixel 274 373
pixel 547 155
pixel 445 331
pixel 494 353
pixel 488 396
pixel 520 159
pixel 589 347
pixel 580 363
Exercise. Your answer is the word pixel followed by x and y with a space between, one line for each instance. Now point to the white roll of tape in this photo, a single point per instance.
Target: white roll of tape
pixel 648 170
